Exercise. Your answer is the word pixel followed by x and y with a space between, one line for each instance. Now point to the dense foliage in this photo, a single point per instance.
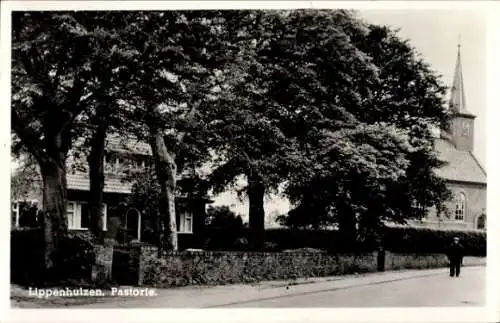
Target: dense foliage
pixel 411 240
pixel 222 217
pixel 379 163
pixel 27 262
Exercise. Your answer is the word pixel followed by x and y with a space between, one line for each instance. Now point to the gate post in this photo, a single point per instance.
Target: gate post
pixel 102 269
pixel 381 259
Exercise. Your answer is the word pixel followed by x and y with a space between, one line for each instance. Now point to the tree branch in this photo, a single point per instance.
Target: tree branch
pixel 28 138
pixel 75 105
pixel 189 117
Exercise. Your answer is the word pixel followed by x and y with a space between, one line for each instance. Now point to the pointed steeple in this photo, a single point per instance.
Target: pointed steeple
pixel 457 98
pixel 462 121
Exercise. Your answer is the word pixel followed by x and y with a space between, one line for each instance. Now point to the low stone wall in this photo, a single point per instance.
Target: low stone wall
pixel 216 268
pixel 394 261
pixel 474 261
pixel 411 261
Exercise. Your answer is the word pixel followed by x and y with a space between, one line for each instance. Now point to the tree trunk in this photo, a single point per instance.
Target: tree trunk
pixel 54 209
pixel 166 171
pixel 160 232
pixel 256 214
pixel 96 176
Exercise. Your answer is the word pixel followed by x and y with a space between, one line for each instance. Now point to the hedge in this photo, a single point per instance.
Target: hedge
pixel 395 239
pixel 26 256
pixel 416 240
pixel 75 259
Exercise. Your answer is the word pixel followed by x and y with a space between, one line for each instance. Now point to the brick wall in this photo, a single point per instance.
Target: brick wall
pixel 412 261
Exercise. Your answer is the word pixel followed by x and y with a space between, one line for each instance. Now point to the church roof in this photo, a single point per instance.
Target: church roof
pixel 461 165
pixel 457 97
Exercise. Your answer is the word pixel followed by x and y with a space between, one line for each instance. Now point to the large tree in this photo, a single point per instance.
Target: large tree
pixel 104 114
pixel 249 142
pixel 170 65
pixel 410 96
pixel 56 68
pixel 295 67
pixel 405 96
pixel 351 171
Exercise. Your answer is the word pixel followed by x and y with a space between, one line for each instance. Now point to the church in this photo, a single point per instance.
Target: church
pixel 465 176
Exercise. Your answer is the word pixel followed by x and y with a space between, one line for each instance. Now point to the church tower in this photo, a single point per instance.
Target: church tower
pixel 462 121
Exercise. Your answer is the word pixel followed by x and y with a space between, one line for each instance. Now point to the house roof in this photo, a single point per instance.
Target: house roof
pixel 114 183
pixel 80 181
pixel 461 165
pixel 127 145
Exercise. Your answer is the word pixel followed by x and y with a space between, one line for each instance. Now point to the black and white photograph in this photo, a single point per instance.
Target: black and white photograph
pixel 243 157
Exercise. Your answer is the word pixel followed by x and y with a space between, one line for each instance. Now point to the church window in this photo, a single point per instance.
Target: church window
pixel 460 207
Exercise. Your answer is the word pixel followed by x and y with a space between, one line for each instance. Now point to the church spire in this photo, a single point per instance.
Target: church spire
pixel 457 98
pixel 462 121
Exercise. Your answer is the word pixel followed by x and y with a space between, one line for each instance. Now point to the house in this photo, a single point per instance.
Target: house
pixel 464 175
pixel 121 222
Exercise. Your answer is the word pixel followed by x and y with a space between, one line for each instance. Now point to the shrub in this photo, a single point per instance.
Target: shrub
pixel 416 240
pixel 328 240
pixel 222 217
pixel 226 239
pixel 27 256
pixel 75 259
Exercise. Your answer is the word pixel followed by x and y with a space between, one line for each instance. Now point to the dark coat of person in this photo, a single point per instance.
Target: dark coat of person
pixel 455 252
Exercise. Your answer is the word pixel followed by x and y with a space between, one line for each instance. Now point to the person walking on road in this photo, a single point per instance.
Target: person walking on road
pixel 455 256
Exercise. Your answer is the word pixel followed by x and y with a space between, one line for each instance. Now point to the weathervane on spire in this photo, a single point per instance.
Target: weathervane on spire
pixel 459 41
